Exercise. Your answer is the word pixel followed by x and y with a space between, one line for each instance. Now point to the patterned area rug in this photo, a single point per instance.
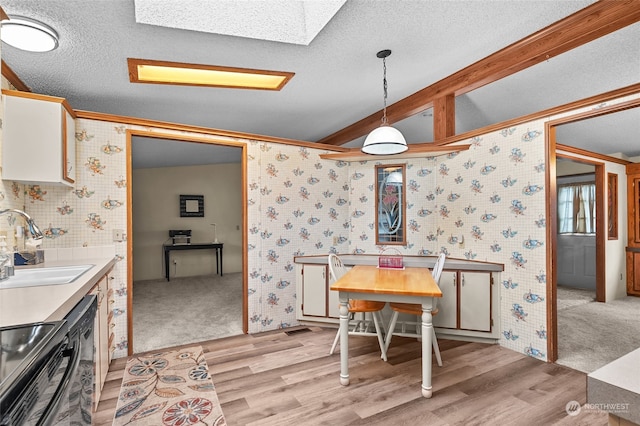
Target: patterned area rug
pixel 171 388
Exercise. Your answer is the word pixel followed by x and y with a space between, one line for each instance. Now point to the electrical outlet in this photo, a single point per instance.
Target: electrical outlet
pixel 335 240
pixel 118 235
pixel 175 261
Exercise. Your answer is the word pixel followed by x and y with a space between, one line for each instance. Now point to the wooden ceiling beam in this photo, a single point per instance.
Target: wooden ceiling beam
pixel 444 117
pixel 594 21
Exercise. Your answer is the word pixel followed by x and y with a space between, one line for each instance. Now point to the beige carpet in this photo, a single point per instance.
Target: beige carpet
pixel 568 297
pixel 592 334
pixel 186 310
pixel 172 388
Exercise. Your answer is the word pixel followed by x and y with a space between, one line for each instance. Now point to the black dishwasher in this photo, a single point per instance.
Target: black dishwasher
pixel 57 389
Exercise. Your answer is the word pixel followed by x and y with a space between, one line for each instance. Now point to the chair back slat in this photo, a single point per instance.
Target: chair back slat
pixel 336 268
pixel 437 268
pixel 436 272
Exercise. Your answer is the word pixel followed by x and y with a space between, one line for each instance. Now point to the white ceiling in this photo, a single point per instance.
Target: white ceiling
pixel 338 78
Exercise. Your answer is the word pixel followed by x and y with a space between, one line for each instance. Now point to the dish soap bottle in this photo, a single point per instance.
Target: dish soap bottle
pixel 6 260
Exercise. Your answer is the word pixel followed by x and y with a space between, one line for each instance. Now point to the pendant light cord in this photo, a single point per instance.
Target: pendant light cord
pixel 384 86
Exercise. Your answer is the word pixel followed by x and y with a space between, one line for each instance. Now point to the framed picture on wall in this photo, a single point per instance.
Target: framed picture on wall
pixel 191 205
pixel 612 206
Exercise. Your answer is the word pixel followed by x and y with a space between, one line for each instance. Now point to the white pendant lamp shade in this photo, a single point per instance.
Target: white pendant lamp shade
pixel 385 140
pixel 28 34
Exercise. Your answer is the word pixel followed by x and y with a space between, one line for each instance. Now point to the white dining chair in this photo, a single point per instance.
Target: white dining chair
pixel 416 309
pixel 361 326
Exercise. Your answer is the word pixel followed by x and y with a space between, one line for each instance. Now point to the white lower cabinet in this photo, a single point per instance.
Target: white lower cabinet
pixel 468 310
pixel 317 301
pixel 467 302
pixel 475 301
pixel 102 333
pixel 447 305
pixel 314 291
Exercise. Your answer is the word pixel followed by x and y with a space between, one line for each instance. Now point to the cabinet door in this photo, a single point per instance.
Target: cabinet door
pixel 110 317
pixel 68 147
pixel 36 129
pixel 314 290
pixel 633 273
pixel 104 330
pixel 634 210
pixel 448 304
pixel 475 301
pixel 334 299
pixel 96 344
pixel 101 339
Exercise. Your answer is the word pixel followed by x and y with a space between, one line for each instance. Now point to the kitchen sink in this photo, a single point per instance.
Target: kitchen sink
pixel 45 276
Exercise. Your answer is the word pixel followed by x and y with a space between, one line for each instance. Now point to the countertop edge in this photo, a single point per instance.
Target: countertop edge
pixel 410 261
pixel 50 302
pixel 95 274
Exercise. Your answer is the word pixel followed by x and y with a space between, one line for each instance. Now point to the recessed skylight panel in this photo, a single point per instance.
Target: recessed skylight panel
pixel 286 21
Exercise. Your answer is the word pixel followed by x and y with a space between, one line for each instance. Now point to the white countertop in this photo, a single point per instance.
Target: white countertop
pixel 52 302
pixel 615 387
pixel 623 372
pixel 414 261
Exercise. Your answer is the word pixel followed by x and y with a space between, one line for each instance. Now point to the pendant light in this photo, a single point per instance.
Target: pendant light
pixel 385 140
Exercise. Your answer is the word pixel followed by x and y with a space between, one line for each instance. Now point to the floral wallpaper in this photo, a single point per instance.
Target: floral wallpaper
pixel 86 214
pixel 491 206
pixel 297 205
pixel 487 203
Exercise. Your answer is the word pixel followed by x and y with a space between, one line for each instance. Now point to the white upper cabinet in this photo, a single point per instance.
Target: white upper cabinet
pixel 38 139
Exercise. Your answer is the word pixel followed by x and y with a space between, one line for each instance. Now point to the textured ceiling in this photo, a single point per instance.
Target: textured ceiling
pixel 338 78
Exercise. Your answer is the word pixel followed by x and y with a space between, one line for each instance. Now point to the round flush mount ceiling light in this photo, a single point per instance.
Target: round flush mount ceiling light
pixel 28 34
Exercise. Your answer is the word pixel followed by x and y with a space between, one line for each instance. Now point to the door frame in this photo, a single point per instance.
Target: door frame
pixel 197 138
pixel 551 153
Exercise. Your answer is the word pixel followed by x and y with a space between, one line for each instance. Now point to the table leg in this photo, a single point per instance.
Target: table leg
pixel 166 264
pixel 427 342
pixel 221 274
pixel 344 340
pixel 217 267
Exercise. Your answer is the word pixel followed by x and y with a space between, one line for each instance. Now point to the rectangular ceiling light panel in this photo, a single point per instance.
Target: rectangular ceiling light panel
pixel 161 72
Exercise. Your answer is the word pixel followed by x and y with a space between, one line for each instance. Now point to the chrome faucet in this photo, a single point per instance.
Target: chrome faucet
pixel 36 233
pixel 6 260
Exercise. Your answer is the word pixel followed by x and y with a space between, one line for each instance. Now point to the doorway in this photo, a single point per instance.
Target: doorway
pixel 577 209
pixel 607 286
pixel 198 302
pixel 579 279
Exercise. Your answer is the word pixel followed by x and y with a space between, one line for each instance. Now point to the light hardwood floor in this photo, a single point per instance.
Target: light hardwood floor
pixel 280 378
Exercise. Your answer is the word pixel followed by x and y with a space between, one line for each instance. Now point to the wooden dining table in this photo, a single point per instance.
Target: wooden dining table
pixel 406 285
